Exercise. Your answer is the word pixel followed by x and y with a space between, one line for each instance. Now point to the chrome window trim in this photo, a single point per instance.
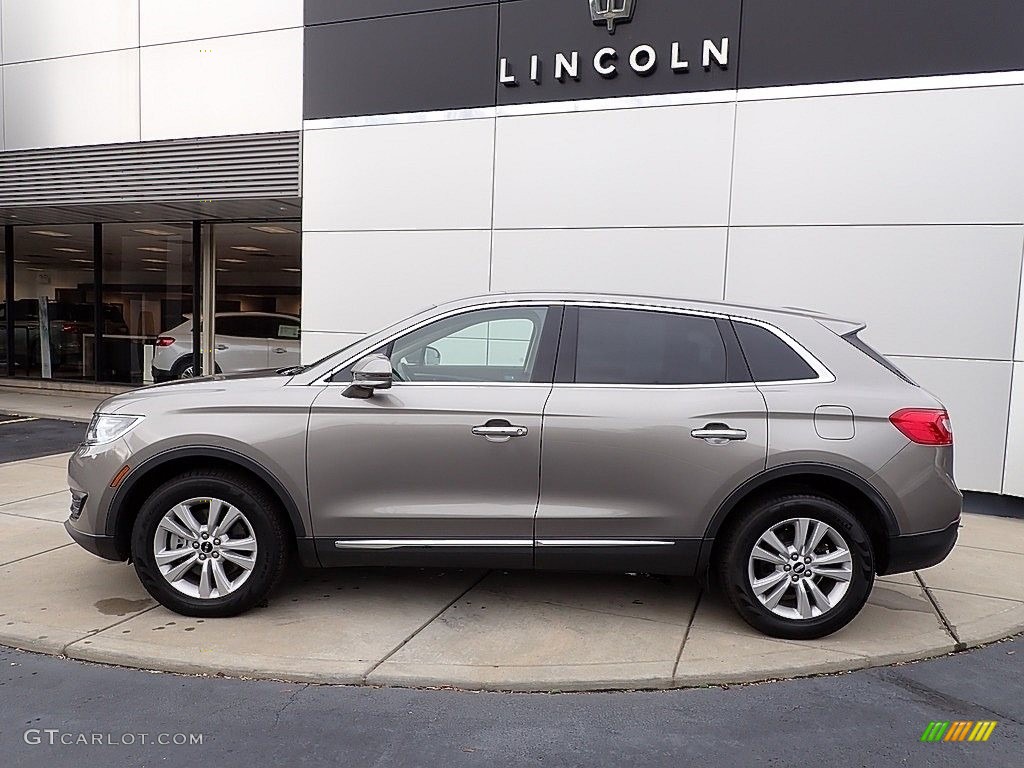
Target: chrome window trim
pixel 824 375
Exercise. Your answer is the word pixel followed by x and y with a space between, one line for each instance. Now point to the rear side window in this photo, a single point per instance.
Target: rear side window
pixel 868 350
pixel 631 346
pixel 769 357
pixel 243 326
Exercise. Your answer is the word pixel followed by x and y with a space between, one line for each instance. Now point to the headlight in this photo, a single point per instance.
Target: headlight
pixel 106 427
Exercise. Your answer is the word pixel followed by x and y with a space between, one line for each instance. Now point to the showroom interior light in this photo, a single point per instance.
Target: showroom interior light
pixel 70 250
pixel 49 233
pixel 248 248
pixel 155 232
pixel 272 229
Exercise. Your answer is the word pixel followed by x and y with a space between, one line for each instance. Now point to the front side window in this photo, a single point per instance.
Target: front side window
pixel 639 347
pixel 487 345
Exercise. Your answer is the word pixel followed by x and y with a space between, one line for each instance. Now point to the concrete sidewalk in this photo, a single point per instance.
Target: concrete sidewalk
pixel 46 403
pixel 477 630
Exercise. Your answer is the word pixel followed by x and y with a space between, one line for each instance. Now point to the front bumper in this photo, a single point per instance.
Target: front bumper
pixel 101 546
pixel 920 550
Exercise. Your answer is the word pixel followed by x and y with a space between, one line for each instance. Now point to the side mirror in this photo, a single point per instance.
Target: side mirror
pixel 369 374
pixel 431 356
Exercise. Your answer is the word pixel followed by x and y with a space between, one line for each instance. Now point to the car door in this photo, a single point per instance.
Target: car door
pixel 651 423
pixel 241 343
pixel 443 467
pixel 284 344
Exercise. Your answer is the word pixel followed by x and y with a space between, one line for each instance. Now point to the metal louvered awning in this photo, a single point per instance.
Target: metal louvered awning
pixel 194 174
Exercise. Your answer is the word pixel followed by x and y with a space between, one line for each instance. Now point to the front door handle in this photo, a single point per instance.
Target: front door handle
pixel 719 434
pixel 500 431
pixel 221 347
pixel 279 350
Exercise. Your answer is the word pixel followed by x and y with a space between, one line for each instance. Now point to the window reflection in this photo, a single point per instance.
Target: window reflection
pixel 258 296
pixel 147 281
pixel 53 311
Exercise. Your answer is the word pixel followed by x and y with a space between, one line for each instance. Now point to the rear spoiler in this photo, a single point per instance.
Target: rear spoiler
pixel 842 327
pixel 837 325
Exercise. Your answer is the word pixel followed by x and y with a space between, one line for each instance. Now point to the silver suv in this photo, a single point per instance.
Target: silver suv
pixel 771 448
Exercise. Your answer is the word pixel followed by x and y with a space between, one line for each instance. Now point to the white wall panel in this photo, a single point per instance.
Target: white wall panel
pixel 666 166
pixel 166 21
pixel 317 345
pixel 930 291
pixel 977 395
pixel 1013 477
pixel 416 176
pixel 949 156
pixel 363 281
pixel 44 29
pixel 228 85
pixel 73 101
pixel 664 262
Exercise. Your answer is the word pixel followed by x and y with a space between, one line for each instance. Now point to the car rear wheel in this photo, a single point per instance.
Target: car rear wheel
pixel 209 544
pixel 186 369
pixel 797 567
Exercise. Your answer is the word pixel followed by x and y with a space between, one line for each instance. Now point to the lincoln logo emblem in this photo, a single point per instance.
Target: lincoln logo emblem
pixel 611 11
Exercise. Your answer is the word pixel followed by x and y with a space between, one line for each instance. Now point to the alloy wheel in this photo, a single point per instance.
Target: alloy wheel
pixel 800 568
pixel 205 548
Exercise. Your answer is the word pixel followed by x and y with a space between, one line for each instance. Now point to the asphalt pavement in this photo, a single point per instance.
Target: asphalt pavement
pixel 26 437
pixel 49 706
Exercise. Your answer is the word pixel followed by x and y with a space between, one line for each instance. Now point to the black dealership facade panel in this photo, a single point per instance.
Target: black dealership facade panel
pixel 372 57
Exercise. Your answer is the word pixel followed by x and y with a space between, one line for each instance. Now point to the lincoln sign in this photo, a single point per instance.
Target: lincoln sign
pixel 643 59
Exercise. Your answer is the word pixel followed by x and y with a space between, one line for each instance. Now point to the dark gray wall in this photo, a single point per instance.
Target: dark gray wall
pixel 365 57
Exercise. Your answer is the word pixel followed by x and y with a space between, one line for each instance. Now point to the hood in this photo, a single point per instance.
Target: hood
pixel 204 387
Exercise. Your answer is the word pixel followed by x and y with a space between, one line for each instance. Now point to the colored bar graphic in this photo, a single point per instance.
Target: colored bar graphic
pixel 959 730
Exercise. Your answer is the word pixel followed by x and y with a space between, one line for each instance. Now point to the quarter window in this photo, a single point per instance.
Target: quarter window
pixel 627 346
pixel 769 357
pixel 488 345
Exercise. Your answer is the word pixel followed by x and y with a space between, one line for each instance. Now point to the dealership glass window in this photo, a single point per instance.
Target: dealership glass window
pixel 3 302
pixel 258 292
pixel 54 301
pixel 147 292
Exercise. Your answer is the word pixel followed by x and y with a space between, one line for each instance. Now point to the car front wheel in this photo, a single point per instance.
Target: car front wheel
pixel 209 544
pixel 797 567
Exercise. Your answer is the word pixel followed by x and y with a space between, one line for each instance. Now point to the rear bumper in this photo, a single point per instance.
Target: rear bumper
pixel 160 376
pixel 920 550
pixel 101 546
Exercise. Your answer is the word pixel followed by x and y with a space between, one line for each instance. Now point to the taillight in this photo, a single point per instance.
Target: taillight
pixel 164 341
pixel 925 426
pixel 69 328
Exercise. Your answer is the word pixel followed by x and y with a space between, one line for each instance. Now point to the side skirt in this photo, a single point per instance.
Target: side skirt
pixel 662 556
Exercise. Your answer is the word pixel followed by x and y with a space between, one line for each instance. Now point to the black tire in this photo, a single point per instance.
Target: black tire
pixel 760 518
pixel 262 512
pixel 184 362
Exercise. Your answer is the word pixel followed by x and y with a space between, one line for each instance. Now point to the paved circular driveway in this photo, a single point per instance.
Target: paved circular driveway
pixel 476 629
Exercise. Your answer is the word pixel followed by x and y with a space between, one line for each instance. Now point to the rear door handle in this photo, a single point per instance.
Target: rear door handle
pixel 719 434
pixel 279 350
pixel 222 347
